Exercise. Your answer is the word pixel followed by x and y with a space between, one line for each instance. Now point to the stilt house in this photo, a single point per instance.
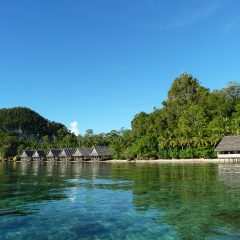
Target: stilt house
pixel 82 154
pixel 229 148
pixel 27 155
pixel 39 155
pixel 53 154
pixel 100 153
pixel 67 154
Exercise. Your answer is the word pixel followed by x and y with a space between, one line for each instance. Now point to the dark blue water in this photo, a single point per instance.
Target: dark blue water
pixel 119 201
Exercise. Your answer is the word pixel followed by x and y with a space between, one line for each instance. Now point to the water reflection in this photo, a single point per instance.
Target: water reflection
pixel 119 201
pixel 194 199
pixel 61 169
pixel 229 174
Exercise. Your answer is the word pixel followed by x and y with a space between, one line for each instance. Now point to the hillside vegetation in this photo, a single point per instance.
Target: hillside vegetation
pixel 22 128
pixel 188 124
pixel 26 123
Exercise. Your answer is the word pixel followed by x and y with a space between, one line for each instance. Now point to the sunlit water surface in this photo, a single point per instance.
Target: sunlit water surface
pixel 119 201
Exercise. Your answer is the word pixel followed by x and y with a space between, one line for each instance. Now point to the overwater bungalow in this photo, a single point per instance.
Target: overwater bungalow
pixel 39 155
pixel 67 154
pixel 229 148
pixel 82 154
pixel 27 155
pixel 100 153
pixel 53 154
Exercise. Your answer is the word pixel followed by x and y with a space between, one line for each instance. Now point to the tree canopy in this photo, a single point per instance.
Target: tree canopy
pixel 188 124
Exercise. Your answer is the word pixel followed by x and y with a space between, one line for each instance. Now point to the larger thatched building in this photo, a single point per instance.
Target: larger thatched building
pixel 229 147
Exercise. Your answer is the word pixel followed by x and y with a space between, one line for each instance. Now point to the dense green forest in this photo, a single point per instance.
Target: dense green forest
pixel 22 128
pixel 188 124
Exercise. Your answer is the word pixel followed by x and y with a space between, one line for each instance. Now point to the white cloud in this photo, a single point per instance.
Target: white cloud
pixel 74 128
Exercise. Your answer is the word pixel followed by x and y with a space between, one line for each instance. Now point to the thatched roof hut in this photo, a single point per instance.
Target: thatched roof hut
pixel 27 155
pixel 229 144
pixel 67 153
pixel 53 153
pixel 101 153
pixel 39 155
pixel 82 153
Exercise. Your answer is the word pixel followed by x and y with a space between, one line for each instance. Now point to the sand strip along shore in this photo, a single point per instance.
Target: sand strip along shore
pixel 162 161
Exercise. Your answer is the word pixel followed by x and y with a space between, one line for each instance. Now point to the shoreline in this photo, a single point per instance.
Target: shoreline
pixel 162 161
pixel 156 161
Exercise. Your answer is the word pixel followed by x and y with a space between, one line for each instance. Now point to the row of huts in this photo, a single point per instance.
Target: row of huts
pixel 98 153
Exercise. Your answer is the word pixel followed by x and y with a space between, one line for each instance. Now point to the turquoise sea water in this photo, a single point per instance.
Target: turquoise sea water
pixel 119 201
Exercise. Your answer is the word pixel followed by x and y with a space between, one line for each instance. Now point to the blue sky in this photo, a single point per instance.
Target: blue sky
pixel 99 62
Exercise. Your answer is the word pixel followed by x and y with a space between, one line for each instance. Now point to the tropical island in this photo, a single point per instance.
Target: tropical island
pixel 188 124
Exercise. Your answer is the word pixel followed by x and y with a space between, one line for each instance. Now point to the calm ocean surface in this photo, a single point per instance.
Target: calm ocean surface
pixel 119 201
